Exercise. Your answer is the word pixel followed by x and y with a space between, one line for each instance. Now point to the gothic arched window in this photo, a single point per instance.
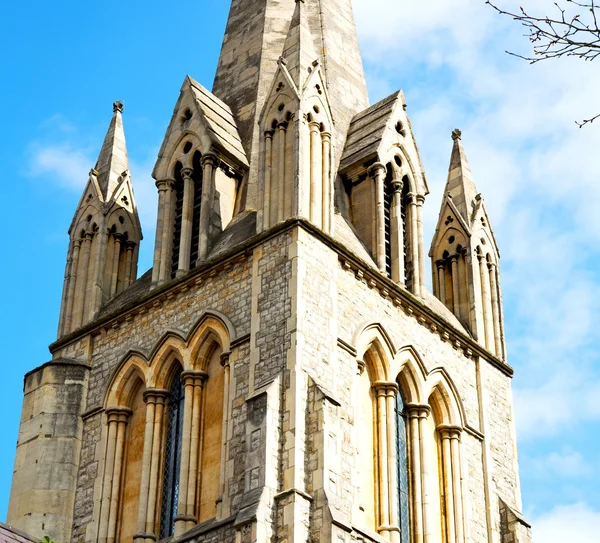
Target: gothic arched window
pixel 170 487
pixel 178 218
pixel 402 469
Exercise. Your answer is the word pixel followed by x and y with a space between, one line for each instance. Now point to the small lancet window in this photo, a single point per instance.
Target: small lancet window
pixel 172 462
pixel 402 469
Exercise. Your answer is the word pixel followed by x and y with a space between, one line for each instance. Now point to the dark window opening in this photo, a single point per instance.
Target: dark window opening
pixel 402 467
pixel 178 193
pixel 197 177
pixel 388 197
pixel 170 488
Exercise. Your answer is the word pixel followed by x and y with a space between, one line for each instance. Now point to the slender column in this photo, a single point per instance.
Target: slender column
pixel 167 232
pixel 185 244
pixel 457 484
pixel 397 227
pixel 441 277
pixel 81 286
pixel 415 472
pixel 163 186
pixel 382 457
pixel 225 363
pixel 158 397
pixel 268 174
pixel 445 436
pixel 455 285
pixel 327 205
pixel 423 415
pixel 129 271
pixel 109 466
pixel 281 172
pixel 209 164
pixel 118 238
pixel 486 303
pixel 97 272
pixel 315 191
pixel 394 500
pixel 197 380
pixel 122 416
pixel 414 242
pixel 65 292
pixel 493 273
pixel 420 249
pixel 150 400
pixel 71 291
pixel 377 173
pixel 182 519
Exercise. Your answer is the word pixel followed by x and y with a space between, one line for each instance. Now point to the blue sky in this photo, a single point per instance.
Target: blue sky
pixel 64 64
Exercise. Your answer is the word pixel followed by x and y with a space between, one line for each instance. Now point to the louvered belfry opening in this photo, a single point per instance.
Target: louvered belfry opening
pixel 388 197
pixel 197 176
pixel 177 222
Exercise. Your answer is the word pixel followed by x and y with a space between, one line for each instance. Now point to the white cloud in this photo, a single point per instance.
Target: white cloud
pixel 573 523
pixel 65 164
pixel 567 464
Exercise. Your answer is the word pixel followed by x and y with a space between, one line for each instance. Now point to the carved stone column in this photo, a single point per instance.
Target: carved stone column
pixel 420 262
pixel 382 459
pixel 315 175
pixel 82 283
pixel 71 288
pixel 417 416
pixel 268 175
pixel 450 438
pixel 397 227
pixel 209 164
pixel 377 174
pixel 441 278
pixel 116 418
pixel 414 243
pixel 282 127
pixel 185 244
pixel 158 397
pixel 114 275
pixel 455 285
pixel 163 186
pixel 129 271
pixel 226 364
pixel 493 274
pixel 167 231
pixel 326 167
pixel 486 302
pixel 188 474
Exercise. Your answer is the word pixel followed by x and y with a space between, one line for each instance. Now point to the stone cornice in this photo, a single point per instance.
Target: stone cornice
pixel 386 288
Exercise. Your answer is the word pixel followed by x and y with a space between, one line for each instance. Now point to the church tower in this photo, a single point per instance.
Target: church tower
pixel 282 373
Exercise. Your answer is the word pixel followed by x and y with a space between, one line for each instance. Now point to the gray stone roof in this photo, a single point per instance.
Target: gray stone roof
pixel 366 131
pixel 220 121
pixel 8 534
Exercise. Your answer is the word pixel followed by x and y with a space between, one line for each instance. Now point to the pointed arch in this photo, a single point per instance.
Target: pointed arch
pixel 170 351
pixel 444 399
pixel 124 382
pixel 408 370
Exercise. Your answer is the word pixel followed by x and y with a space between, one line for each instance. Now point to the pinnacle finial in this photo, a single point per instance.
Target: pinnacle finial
pixel 456 134
pixel 118 106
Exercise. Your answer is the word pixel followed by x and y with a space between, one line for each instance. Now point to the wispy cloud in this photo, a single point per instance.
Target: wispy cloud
pixel 577 523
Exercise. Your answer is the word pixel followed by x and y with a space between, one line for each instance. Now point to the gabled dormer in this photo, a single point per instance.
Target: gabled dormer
pixel 465 256
pixel 105 234
pixel 200 178
pixel 385 188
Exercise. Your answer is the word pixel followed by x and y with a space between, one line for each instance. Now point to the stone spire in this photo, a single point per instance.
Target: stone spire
pixel 258 33
pixel 112 161
pixel 460 185
pixel 301 45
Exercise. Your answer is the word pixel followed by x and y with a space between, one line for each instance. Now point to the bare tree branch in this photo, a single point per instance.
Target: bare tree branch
pixel 573 32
